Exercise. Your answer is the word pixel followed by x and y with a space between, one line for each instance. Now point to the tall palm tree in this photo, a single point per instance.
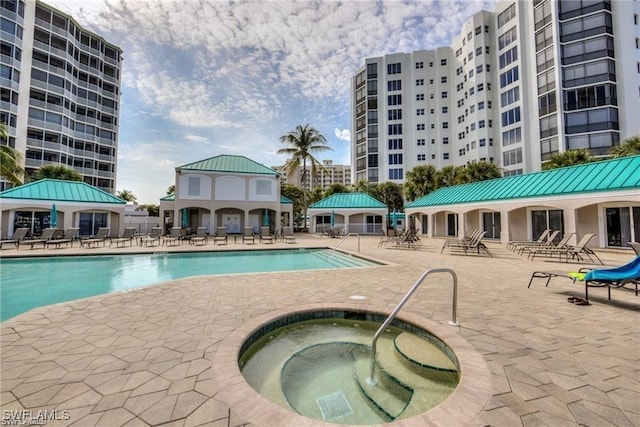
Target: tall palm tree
pixel 126 195
pixel 10 168
pixel 302 143
pixel 568 158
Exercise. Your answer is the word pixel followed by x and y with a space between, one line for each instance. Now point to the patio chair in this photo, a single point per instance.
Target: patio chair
pixel 248 235
pixel 152 238
pixel 287 235
pixel 47 234
pixel 128 236
pixel 101 237
pixel 539 249
pixel 69 236
pixel 474 244
pixel 576 252
pixel 265 235
pixel 221 236
pixel 548 243
pixel 618 277
pixel 18 236
pixel 512 245
pixel 174 237
pixel 201 237
pixel 410 239
pixel 635 246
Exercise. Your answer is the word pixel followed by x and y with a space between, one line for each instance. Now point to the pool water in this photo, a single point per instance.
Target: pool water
pixel 321 369
pixel 27 283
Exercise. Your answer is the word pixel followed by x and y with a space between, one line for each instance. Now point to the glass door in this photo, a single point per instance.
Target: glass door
pixel 491 224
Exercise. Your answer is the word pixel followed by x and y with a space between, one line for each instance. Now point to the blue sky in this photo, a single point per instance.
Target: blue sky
pixel 204 78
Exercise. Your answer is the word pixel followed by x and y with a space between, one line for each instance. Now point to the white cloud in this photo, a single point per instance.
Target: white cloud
pixel 344 134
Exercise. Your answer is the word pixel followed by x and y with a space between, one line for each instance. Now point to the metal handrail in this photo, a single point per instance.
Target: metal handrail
pixel 408 295
pixel 342 241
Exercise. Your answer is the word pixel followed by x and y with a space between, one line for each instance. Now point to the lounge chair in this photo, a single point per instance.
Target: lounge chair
pixel 47 234
pixel 576 252
pixel 19 235
pixel 635 246
pixel 101 237
pixel 409 239
pixel 201 237
pixel 538 249
pixel 265 235
pixel 287 235
pixel 221 236
pixel 173 238
pixel 628 274
pixel 512 245
pixel 69 236
pixel 548 243
pixel 152 238
pixel 248 235
pixel 128 236
pixel 474 244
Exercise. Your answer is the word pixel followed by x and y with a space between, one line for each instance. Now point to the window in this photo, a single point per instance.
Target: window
pixel 443 79
pixel 395 144
pixel 472 127
pixel 419 82
pixel 588 97
pixel 480 124
pixel 394 85
pixel 420 112
pixel 443 62
pixel 445 125
pixel 510 96
pixel 395 174
pixel 193 186
pixel 479 69
pixel 589 49
pixel 592 120
pixel 445 156
pixel 507 38
pixel 547 103
pixel 471 73
pixel 394 100
pixel 422 157
pixel 480 87
pixel 472 90
pixel 509 77
pixel 394 68
pixel 507 15
pixel 511 55
pixel 420 97
pixel 395 159
pixel 512 157
pixel 420 141
pixel 482 142
pixel 510 117
pixel 445 110
pixel 443 94
pixel 511 137
pixel 420 126
pixel 478 30
pixel 395 129
pixel 395 114
pixel 419 65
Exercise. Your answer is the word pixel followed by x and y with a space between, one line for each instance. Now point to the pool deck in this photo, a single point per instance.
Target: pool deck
pixel 143 357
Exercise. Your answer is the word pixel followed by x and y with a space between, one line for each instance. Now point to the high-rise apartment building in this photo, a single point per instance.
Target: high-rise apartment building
pixel 329 174
pixel 60 92
pixel 519 84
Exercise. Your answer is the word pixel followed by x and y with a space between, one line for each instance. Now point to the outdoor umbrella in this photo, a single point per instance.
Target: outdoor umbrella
pixel 53 217
pixel 394 222
pixel 265 218
pixel 333 218
pixel 185 219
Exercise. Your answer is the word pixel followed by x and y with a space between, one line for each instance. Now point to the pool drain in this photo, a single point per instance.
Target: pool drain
pixel 334 405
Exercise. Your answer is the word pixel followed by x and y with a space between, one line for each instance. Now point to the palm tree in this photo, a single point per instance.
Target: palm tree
pixel 629 147
pixel 10 168
pixel 420 181
pixel 302 143
pixel 568 158
pixel 126 195
pixel 480 171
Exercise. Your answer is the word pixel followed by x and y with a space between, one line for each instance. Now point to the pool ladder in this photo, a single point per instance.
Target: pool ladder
pixel 408 295
pixel 342 241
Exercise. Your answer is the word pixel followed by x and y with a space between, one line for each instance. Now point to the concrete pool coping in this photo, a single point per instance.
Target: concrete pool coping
pixel 143 358
pixel 460 408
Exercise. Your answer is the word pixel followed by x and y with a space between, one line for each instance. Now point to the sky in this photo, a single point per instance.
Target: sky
pixel 201 78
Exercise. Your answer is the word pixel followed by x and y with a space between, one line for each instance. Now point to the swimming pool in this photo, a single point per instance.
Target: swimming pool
pixel 27 283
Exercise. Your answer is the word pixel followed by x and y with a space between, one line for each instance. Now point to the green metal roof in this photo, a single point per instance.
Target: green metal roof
pixel 63 191
pixel 348 201
pixel 226 163
pixel 286 200
pixel 608 175
pixel 169 198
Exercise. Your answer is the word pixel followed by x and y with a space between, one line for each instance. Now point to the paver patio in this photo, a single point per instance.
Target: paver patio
pixel 143 357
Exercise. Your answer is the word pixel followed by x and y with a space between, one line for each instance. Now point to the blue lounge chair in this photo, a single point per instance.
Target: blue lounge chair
pixel 628 274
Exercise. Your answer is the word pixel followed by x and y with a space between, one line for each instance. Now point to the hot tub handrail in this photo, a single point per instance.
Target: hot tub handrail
pixel 408 295
pixel 342 241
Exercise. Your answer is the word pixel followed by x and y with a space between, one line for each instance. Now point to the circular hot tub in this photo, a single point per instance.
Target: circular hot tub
pixel 313 366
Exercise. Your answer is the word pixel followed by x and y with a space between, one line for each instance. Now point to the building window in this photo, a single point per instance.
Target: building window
pixel 420 126
pixel 420 97
pixel 444 94
pixel 512 157
pixel 445 156
pixel 443 62
pixel 395 129
pixel 445 125
pixel 395 174
pixel 507 15
pixel 445 140
pixel 510 96
pixel 482 142
pixel 419 65
pixel 193 188
pixel 509 56
pixel 394 85
pixel 512 136
pixel 422 157
pixel 445 110
pixel 509 77
pixel 419 82
pixel 395 144
pixel 395 159
pixel 507 38
pixel 394 100
pixel 394 68
pixel 480 124
pixel 394 114
pixel 420 112
pixel 420 141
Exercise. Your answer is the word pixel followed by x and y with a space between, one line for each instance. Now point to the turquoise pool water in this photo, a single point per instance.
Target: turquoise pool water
pixel 27 283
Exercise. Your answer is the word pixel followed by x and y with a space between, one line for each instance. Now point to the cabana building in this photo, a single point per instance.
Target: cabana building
pixel 349 212
pixel 601 198
pixel 60 204
pixel 226 191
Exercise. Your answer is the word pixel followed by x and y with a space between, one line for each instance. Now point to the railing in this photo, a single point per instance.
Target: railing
pixel 342 241
pixel 408 295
